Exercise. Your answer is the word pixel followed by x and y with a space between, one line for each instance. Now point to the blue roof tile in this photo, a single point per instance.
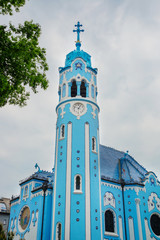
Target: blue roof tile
pixel 132 171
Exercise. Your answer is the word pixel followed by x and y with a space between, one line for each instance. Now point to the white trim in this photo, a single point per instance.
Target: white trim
pixel 94 146
pixel 111 234
pixel 87 184
pixel 57 229
pixel 120 227
pixel 55 180
pixel 99 185
pixel 62 137
pixel 115 222
pixel 139 218
pixel 68 182
pixel 131 228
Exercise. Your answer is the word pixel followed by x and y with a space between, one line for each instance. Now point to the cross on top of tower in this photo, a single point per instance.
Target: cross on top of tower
pixel 78 30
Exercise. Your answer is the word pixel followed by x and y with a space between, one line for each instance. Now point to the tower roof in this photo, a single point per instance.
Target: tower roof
pixel 77 53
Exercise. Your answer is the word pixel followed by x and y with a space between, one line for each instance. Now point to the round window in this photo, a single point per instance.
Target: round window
pixel 155 223
pixel 24 217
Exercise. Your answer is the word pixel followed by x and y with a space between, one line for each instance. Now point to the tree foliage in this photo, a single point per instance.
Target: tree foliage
pixel 2 234
pixel 10 236
pixel 22 61
pixel 7 6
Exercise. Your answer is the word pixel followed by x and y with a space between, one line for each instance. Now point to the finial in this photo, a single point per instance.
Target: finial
pixel 78 30
pixel 36 166
pixel 126 154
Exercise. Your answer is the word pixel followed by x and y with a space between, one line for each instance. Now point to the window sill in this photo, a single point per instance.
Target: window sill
pixel 111 234
pixel 94 152
pixel 61 139
pixel 78 192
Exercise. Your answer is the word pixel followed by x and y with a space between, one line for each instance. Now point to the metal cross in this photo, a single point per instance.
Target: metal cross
pixel 78 30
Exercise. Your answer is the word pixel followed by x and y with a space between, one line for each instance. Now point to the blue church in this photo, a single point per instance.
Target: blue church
pixel 94 192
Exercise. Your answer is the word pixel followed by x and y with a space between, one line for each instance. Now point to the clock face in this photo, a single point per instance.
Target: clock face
pixel 78 108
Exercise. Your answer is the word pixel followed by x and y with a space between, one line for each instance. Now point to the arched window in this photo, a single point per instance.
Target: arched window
pixel 77 183
pixel 74 89
pixel 26 191
pixel 58 231
pixel 62 133
pixel 92 91
pixel 83 89
pixel 109 221
pixel 64 90
pixel 93 144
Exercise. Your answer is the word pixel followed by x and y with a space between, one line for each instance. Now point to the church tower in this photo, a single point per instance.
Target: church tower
pixel 77 191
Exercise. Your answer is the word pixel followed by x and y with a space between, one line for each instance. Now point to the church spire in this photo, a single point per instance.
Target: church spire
pixel 78 30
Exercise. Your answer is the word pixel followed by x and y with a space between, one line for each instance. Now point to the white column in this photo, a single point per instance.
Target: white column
pixel 68 182
pixel 131 228
pixel 87 184
pixel 55 181
pixel 120 228
pixel 99 185
pixel 139 219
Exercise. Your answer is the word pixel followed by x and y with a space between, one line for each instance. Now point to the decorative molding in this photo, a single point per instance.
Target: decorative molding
pixel 62 108
pixel 109 199
pixel 94 109
pixel 136 189
pixel 41 193
pixel 15 203
pixel 153 201
pixel 111 185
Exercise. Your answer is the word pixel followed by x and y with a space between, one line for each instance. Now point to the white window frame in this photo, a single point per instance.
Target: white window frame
pixel 77 190
pixel 115 224
pixel 57 231
pixel 25 194
pixel 94 147
pixel 62 137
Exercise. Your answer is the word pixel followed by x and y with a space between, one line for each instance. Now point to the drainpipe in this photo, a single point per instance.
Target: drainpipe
pixel 122 185
pixel 44 188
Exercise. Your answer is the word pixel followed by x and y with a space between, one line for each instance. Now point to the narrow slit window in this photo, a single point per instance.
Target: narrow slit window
pixel 94 144
pixel 74 89
pixel 62 134
pixel 83 89
pixel 78 183
pixel 109 221
pixel 59 231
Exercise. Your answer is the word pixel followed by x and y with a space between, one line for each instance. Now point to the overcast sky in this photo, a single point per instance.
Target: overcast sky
pixel 123 38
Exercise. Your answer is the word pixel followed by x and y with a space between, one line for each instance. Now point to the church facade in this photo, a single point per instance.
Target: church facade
pixel 94 192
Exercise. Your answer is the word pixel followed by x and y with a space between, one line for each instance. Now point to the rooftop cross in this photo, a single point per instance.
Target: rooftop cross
pixel 78 30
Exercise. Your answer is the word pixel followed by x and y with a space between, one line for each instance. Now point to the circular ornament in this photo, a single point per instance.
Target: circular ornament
pixel 24 217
